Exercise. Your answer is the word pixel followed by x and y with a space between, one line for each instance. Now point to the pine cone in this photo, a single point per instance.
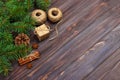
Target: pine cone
pixel 22 39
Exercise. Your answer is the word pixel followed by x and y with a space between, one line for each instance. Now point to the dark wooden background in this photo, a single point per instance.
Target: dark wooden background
pixel 87 48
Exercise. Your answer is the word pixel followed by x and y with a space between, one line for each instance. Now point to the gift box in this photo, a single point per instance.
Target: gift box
pixel 42 32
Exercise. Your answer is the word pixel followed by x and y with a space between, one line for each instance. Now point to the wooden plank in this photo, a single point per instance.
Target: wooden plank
pixel 114 74
pixel 93 57
pixel 107 68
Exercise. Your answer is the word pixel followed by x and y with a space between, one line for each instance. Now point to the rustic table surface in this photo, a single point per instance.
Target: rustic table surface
pixel 87 48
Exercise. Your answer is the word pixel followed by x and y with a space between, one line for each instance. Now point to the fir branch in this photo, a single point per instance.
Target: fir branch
pixel 15 17
pixel 43 4
pixel 5 65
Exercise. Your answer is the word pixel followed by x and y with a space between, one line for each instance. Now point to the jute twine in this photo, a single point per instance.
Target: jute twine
pixel 39 16
pixel 54 15
pixel 56 29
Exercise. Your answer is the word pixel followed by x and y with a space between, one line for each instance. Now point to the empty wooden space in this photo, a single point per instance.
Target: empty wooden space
pixel 87 48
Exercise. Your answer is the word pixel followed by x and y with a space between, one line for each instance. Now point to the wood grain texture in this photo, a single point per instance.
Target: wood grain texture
pixel 87 47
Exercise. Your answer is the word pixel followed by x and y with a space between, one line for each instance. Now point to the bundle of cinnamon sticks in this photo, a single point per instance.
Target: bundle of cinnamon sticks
pixel 34 55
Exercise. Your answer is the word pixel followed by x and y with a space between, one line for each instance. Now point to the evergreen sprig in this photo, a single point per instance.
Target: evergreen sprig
pixel 15 17
pixel 43 4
